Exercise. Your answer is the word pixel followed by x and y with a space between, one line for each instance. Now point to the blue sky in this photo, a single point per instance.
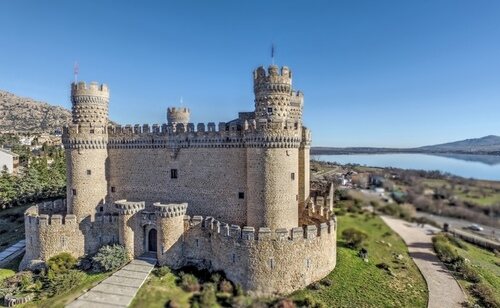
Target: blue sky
pixel 374 73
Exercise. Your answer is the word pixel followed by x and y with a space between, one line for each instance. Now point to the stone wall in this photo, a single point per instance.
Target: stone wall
pixel 209 179
pixel 266 261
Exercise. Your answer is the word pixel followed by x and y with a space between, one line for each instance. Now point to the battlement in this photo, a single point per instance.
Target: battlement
pixel 33 217
pixel 178 110
pixel 247 233
pixel 129 207
pixel 170 210
pixel 92 89
pixel 274 80
pixel 51 207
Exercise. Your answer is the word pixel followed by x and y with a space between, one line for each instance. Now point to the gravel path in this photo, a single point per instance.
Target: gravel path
pixel 444 290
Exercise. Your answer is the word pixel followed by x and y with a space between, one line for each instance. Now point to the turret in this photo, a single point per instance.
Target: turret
pixel 170 220
pixel 272 91
pixel 90 103
pixel 85 142
pixel 178 115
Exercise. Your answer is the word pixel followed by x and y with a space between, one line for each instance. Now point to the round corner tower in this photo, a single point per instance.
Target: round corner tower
pixel 178 115
pixel 85 142
pixel 273 152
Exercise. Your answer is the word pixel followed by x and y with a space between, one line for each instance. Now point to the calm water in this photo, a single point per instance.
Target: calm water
pixel 469 166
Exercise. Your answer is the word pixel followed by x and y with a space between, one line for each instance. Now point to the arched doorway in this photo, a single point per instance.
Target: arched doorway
pixel 152 240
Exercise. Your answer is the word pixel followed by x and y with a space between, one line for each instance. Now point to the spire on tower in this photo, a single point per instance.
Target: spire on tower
pixel 76 70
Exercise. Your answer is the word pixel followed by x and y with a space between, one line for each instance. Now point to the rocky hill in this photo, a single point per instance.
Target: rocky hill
pixel 489 143
pixel 21 114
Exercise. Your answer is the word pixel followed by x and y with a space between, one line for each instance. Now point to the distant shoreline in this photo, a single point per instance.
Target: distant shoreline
pixel 367 150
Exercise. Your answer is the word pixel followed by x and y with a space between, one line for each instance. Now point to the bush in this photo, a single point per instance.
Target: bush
pixel 61 263
pixel 469 273
pixel 57 284
pixel 161 271
pixel 208 297
pixel 19 283
pixel 444 250
pixel 226 286
pixel 457 242
pixel 309 302
pixel 189 283
pixel 285 303
pixel 485 295
pixel 354 237
pixel 315 286
pixel 110 258
pixel 326 282
pixel 383 266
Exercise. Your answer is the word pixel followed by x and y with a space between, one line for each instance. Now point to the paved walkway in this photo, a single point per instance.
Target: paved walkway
pixel 119 289
pixel 12 252
pixel 444 290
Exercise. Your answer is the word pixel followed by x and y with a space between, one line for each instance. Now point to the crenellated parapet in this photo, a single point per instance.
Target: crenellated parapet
pixel 178 115
pixel 248 233
pixel 170 210
pixel 223 135
pixel 129 207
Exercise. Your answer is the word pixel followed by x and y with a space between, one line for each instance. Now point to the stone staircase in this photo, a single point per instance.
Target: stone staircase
pixel 119 289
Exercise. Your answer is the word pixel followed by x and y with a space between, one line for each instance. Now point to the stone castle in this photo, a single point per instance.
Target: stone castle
pixel 233 197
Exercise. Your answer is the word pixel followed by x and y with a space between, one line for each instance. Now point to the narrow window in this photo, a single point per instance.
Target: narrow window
pixel 271 263
pixel 270 110
pixel 293 176
pixel 74 192
pixel 91 131
pixel 173 173
pixel 197 242
pixel 308 263
pixel 234 258
pixel 89 172
pixel 241 195
pixel 113 189
pixel 101 209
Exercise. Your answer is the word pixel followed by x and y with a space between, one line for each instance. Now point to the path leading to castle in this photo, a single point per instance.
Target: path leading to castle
pixel 444 290
pixel 119 289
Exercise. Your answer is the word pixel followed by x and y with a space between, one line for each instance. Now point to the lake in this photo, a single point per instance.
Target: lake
pixel 485 167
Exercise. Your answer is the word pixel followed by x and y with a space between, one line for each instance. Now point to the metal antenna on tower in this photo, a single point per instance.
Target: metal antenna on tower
pixel 76 70
pixel 272 54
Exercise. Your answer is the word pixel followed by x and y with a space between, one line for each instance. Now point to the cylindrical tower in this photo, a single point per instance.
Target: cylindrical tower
pixel 85 142
pixel 176 115
pixel 272 153
pixel 170 221
pixel 129 226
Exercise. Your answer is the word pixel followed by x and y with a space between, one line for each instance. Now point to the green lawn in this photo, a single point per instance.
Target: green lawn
pixel 157 291
pixel 360 284
pixel 59 301
pixel 355 283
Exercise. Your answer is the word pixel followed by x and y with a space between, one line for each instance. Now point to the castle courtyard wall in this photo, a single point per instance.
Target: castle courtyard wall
pixel 209 179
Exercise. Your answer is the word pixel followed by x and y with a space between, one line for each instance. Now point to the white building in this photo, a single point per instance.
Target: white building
pixel 9 160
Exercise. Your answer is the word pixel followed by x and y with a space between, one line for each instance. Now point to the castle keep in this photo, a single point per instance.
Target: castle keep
pixel 233 197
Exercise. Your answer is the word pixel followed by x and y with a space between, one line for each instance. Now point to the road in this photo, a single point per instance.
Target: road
pixel 491 233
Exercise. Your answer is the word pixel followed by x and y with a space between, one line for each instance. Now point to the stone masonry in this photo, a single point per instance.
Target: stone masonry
pixel 231 197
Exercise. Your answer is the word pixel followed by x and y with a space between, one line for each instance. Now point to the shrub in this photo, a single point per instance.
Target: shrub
pixel 383 266
pixel 457 242
pixel 208 297
pixel 161 271
pixel 485 295
pixel 85 263
pixel 61 263
pixel 110 258
pixel 444 250
pixel 238 290
pixel 189 283
pixel 56 284
pixel 172 304
pixel 215 278
pixel 309 302
pixel 326 282
pixel 354 237
pixel 315 286
pixel 226 286
pixel 469 273
pixel 285 303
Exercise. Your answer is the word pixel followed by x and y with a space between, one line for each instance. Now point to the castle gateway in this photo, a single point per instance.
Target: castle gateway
pixel 231 197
